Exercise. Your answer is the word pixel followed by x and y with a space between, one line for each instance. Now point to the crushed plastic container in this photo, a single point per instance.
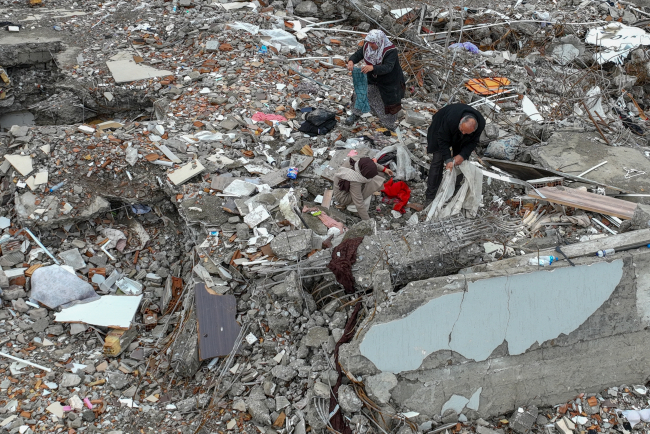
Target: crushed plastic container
pixel 543 261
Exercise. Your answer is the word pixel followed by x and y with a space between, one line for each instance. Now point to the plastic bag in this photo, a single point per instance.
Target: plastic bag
pixel 504 149
pixel 285 38
pixel 250 28
pixel 405 170
pixel 465 46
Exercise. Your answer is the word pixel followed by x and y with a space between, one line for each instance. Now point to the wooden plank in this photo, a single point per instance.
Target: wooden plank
pixel 217 328
pixel 588 201
pixel 527 172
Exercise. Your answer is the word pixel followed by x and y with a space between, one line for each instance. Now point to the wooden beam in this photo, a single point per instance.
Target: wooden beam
pixel 587 201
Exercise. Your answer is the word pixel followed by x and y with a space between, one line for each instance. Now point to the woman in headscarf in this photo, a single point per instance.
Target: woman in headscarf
pixel 356 181
pixel 385 79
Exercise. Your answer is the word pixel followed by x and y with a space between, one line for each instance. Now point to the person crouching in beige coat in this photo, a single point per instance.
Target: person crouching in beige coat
pixel 356 181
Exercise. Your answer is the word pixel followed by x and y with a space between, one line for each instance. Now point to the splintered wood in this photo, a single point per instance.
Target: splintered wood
pixel 587 201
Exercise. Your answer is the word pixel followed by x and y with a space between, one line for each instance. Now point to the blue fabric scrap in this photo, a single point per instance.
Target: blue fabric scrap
pixel 360 83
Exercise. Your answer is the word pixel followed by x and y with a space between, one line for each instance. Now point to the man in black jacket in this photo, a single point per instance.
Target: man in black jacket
pixel 451 138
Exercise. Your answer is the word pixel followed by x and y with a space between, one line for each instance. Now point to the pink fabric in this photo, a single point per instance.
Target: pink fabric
pixel 261 117
pixel 327 220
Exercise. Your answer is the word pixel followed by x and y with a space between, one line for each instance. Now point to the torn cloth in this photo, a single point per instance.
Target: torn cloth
pixel 399 190
pixel 261 117
pixel 327 220
pixel 343 258
pixel 360 83
pixel 337 421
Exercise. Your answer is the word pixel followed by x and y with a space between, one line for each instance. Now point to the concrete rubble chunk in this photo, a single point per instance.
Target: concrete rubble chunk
pixel 416 118
pixel 70 380
pixel 523 420
pixel 379 386
pixel 185 349
pixel 240 188
pixel 284 373
pixel 292 245
pixel 316 336
pixel 73 258
pixel 348 399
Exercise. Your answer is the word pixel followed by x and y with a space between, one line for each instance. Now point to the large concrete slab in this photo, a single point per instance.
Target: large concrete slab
pixel 576 152
pixel 511 337
pixel 124 69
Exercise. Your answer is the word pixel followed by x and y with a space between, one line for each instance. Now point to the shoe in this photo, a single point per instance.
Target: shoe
pixel 352 208
pixel 350 120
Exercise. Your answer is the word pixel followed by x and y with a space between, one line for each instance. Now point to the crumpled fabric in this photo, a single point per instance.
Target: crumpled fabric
pixel 399 190
pixel 343 258
pixel 140 209
pixel 337 420
pixel 117 239
pixel 465 45
pixel 360 83
pixel 327 220
pixel 467 199
pixel 261 117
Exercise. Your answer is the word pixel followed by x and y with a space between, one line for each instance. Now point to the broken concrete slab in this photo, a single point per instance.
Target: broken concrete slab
pixel 22 163
pixel 256 216
pixel 114 311
pixel 185 349
pixel 581 151
pixel 293 245
pixel 182 174
pixel 507 329
pixel 239 187
pixel 53 286
pixel 124 69
pixel 206 210
pixel 73 258
pixel 379 386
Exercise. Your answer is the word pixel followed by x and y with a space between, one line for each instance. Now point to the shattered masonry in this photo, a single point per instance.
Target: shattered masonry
pixel 160 271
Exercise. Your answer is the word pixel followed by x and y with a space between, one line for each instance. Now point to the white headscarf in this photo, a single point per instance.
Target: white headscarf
pixel 375 57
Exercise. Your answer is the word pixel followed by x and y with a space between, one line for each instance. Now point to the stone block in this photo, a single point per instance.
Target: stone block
pixel 316 336
pixel 522 420
pixel 292 245
pixel 379 386
pixel 416 118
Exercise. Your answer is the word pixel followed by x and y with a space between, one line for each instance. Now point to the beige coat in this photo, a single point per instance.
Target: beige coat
pixel 358 191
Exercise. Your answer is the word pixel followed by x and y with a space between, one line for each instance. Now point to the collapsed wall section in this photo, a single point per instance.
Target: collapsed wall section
pixel 484 343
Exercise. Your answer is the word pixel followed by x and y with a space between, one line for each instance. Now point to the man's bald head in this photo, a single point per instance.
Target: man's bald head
pixel 468 124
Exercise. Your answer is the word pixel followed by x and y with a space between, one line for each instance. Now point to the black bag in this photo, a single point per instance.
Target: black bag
pixel 312 129
pixel 319 116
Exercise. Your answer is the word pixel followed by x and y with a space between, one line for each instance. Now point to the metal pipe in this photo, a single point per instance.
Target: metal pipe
pixel 37 241
pixel 25 362
pixel 593 168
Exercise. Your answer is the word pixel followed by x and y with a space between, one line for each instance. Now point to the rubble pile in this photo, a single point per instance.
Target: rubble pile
pixel 163 271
